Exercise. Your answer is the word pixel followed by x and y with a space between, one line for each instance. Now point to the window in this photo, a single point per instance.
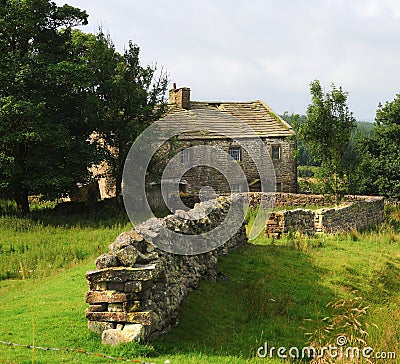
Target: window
pixel 276 152
pixel 234 153
pixel 184 156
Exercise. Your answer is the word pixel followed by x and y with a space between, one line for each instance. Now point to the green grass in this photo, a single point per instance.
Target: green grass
pixel 277 291
pixel 48 240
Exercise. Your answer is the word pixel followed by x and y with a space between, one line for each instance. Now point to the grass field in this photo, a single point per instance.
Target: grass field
pixel 276 293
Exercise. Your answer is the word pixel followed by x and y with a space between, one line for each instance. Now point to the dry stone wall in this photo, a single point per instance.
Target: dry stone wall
pixel 284 199
pixel 136 291
pixel 357 213
pixel 361 213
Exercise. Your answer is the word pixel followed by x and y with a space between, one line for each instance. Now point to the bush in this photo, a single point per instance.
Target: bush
pixel 308 186
pixel 392 216
pixel 306 171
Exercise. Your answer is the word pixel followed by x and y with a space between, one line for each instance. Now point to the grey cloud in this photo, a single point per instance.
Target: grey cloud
pixel 271 50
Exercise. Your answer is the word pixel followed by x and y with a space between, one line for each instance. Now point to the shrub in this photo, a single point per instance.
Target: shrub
pixel 306 171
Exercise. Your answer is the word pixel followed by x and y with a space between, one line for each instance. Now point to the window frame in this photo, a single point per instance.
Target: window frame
pixel 235 148
pixel 279 152
pixel 279 187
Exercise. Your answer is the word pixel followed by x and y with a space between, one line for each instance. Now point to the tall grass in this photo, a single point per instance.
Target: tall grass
pixel 47 240
pixel 392 215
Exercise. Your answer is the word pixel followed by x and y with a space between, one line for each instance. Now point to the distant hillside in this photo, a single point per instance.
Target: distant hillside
pixel 365 127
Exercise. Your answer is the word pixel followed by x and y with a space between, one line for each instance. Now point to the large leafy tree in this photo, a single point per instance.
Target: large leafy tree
pixel 44 91
pixel 381 152
pixel 130 96
pixel 327 133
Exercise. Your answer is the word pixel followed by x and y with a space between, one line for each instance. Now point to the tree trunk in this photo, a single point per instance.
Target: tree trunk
pixel 20 191
pixel 119 169
pixel 118 182
pixel 21 198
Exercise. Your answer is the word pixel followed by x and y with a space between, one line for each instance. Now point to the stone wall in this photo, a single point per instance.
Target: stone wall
pixel 356 213
pixel 363 212
pixel 283 199
pixel 299 220
pixel 286 166
pixel 137 289
pixel 283 222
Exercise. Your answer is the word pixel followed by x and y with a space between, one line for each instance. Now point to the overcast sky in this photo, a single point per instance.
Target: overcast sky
pixel 263 49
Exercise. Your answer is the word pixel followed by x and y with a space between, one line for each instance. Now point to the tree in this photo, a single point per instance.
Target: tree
pixel 327 132
pixel 43 95
pixel 303 155
pixel 381 152
pixel 130 97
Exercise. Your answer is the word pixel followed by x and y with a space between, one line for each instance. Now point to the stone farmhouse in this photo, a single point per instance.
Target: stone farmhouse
pixel 278 136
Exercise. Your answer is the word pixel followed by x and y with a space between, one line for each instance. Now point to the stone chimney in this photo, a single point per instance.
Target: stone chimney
pixel 180 97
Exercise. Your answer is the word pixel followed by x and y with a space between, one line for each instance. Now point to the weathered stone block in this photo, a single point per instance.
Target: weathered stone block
pixel 98 307
pixel 123 274
pixel 95 297
pixel 98 327
pixel 131 306
pixel 106 261
pixel 125 239
pixel 106 316
pixel 147 257
pixel 115 307
pixel 146 318
pixel 98 286
pixel 136 286
pixel 136 330
pixel 127 256
pixel 133 332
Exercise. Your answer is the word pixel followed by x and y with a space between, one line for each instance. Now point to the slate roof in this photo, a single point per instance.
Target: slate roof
pixel 205 120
